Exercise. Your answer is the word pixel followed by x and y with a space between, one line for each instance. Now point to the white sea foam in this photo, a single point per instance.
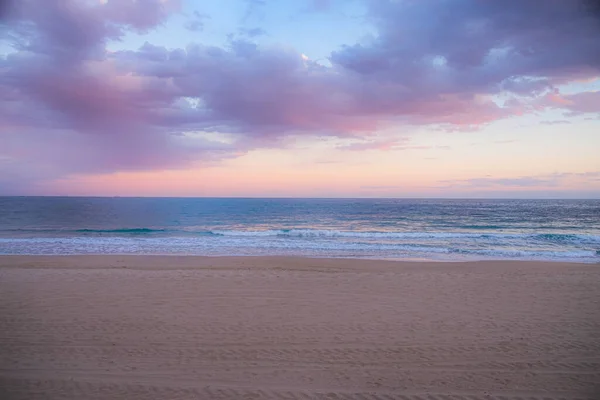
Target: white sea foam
pixel 326 233
pixel 273 244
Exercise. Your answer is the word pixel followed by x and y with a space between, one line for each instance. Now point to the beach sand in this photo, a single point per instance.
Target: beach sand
pixel 153 327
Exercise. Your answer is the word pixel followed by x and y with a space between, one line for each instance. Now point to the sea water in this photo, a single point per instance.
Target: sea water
pixel 421 229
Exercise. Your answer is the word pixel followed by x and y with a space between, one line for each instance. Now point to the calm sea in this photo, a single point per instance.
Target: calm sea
pixel 561 230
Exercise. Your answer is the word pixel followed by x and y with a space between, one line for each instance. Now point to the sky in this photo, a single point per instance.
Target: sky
pixel 302 98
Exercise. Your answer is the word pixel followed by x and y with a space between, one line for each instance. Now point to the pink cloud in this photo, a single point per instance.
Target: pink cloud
pixel 576 104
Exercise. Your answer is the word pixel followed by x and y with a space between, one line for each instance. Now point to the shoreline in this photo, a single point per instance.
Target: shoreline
pixel 154 261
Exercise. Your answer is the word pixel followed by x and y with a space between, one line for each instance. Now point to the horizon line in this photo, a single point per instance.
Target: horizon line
pixel 301 197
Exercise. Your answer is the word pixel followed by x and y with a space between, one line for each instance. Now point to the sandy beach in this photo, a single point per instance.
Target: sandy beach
pixel 138 327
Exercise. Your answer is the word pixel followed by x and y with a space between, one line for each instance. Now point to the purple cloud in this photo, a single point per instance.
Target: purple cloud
pixel 197 22
pixel 431 62
pixel 252 32
pixel 463 46
pixel 557 122
pixel 550 180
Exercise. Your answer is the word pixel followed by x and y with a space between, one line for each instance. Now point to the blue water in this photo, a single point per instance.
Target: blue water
pixel 561 230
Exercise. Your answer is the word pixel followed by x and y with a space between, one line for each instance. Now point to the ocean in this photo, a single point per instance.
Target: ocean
pixel 411 229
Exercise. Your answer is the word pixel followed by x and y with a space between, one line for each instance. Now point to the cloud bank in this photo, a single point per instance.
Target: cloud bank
pixel 71 106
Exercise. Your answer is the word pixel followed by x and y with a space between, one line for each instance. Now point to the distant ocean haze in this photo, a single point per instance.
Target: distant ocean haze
pixel 426 229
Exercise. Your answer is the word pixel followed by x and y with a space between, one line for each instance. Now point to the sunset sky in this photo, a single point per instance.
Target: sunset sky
pixel 303 98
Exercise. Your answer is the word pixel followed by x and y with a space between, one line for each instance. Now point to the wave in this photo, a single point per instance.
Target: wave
pixel 528 254
pixel 556 237
pixel 547 238
pixel 67 230
pixel 325 233
pixel 311 242
pixel 123 230
pixel 478 227
pixel 256 246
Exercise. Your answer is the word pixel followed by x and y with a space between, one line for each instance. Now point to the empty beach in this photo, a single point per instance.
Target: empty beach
pixel 170 327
